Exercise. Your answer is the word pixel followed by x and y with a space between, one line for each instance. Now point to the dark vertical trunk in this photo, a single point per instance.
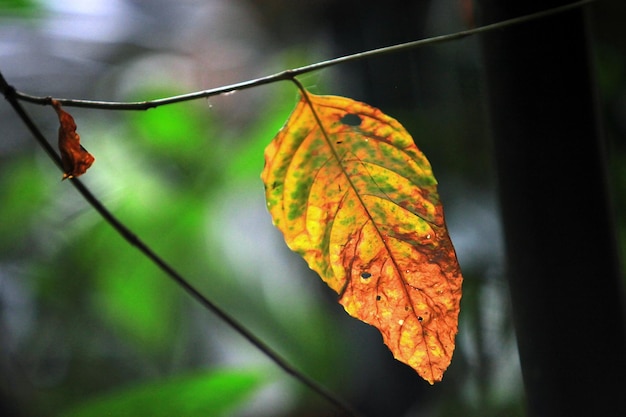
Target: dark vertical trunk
pixel 562 257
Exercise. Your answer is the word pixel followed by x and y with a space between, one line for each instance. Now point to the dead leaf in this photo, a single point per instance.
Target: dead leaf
pixel 359 202
pixel 74 158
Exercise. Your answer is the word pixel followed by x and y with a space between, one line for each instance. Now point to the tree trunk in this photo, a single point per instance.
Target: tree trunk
pixel 561 248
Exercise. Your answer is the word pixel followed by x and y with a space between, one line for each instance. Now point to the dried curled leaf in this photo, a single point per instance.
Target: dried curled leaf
pixel 358 200
pixel 74 158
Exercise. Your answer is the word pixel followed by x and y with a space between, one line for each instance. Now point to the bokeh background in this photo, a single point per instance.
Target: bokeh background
pixel 87 324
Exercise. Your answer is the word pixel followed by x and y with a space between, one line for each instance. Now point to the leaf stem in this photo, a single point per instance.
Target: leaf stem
pixel 130 237
pixel 291 73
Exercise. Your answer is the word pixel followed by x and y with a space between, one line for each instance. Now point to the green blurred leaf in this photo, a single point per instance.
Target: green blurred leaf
pixel 133 296
pixel 247 161
pixel 180 141
pixel 177 130
pixel 196 395
pixel 137 303
pixel 20 8
pixel 24 191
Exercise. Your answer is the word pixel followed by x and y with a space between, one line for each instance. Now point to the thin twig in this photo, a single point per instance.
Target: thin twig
pixel 10 95
pixel 291 73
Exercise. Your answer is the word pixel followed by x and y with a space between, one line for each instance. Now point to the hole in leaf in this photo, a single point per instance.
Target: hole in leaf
pixel 365 275
pixel 378 298
pixel 420 318
pixel 351 120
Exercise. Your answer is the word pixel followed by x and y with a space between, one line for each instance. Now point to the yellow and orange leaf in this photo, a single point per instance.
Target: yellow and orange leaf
pixel 358 200
pixel 74 158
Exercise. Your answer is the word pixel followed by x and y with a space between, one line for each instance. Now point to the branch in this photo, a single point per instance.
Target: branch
pixel 292 73
pixel 11 96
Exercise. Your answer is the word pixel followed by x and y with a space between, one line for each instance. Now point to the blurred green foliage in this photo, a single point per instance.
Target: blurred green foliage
pixel 167 173
pixel 19 8
pixel 25 191
pixel 214 393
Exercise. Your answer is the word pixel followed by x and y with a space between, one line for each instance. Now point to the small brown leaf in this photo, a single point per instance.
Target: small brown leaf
pixel 74 158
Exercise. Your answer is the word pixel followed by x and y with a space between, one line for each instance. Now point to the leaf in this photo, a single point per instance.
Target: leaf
pixel 74 158
pixel 358 200
pixel 206 394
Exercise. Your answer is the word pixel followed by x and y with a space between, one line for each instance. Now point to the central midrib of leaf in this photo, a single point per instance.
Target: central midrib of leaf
pixel 329 142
